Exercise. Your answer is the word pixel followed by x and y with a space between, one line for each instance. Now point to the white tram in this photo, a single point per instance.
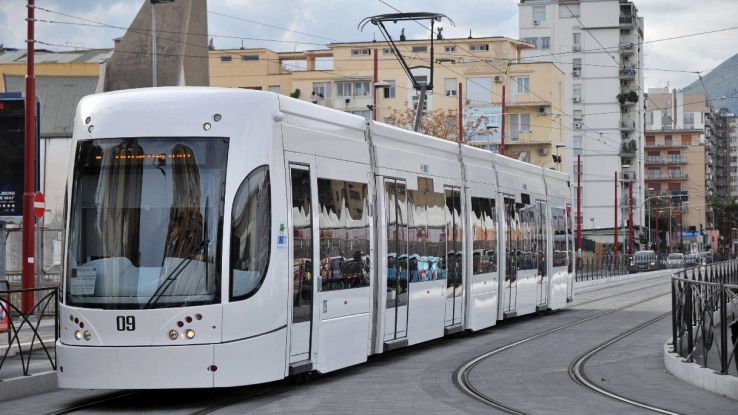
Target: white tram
pixel 221 237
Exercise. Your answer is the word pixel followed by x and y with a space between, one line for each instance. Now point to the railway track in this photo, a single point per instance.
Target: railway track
pixel 461 374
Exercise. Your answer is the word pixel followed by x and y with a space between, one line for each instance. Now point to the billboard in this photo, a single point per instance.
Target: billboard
pixel 11 156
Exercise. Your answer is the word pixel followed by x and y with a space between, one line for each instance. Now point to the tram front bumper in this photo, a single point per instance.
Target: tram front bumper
pixel 159 367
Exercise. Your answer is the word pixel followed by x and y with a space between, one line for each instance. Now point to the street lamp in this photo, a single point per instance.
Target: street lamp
pixel 593 224
pixel 153 37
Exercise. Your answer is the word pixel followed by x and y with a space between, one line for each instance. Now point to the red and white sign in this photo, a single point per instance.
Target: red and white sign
pixel 4 316
pixel 39 204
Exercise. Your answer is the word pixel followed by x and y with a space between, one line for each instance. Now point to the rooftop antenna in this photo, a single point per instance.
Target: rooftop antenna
pixel 417 17
pixel 440 34
pixel 242 48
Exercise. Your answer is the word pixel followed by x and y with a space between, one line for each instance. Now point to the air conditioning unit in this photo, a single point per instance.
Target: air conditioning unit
pixel 498 79
pixel 577 48
pixel 578 125
pixel 536 22
pixel 576 72
pixel 577 99
pixel 542 151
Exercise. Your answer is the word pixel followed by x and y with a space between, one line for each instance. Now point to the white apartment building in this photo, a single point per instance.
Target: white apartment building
pixel 598 45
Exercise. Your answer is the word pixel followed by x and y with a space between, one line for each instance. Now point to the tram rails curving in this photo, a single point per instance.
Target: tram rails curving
pixel 461 374
pixel 576 370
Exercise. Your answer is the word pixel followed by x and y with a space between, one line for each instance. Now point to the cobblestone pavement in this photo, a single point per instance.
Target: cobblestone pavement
pixel 532 377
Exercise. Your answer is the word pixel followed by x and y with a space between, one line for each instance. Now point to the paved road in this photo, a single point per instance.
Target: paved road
pixel 532 377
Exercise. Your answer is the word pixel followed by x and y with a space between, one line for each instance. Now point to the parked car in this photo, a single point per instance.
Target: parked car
pixel 643 261
pixel 692 260
pixel 675 260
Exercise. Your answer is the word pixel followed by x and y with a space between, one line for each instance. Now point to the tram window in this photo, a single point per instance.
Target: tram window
pixel 436 243
pixel 302 242
pixel 560 237
pixel 454 236
pixel 527 253
pixel 251 223
pixel 512 238
pixel 484 228
pixel 344 235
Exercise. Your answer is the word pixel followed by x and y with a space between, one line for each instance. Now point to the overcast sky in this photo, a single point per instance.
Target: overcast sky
pixel 321 20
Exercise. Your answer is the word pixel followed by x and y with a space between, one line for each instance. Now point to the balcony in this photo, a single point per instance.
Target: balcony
pixel 351 103
pixel 628 149
pixel 627 126
pixel 665 145
pixel 668 176
pixel 627 74
pixel 627 48
pixel 664 161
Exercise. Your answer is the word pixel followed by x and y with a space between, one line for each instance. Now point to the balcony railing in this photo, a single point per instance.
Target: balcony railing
pixel 668 176
pixel 627 126
pixel 665 145
pixel 627 73
pixel 660 160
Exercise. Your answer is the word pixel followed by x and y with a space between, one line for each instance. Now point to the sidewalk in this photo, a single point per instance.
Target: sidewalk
pixel 41 375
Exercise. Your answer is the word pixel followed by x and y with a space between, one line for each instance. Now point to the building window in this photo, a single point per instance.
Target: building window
pixel 654 173
pixel 249 58
pixel 576 64
pixel 360 52
pixel 226 58
pixel 545 42
pixel 675 172
pixel 388 51
pixel 532 40
pixel 687 139
pixel 519 123
pixel 479 47
pixel 391 91
pixel 578 115
pixel 577 92
pixel 667 140
pixel 420 49
pixel 577 39
pixel 449 87
pixel 675 156
pixel 450 49
pixel 523 84
pixel 275 88
pixel 539 14
pixel 688 120
pixel 321 90
pixel 650 140
pixel 353 88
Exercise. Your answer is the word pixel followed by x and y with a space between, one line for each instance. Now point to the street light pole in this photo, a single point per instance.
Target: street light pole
pixel 153 42
pixel 615 227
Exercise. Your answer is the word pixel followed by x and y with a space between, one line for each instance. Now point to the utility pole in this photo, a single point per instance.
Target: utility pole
pixel 461 115
pixel 502 124
pixel 376 79
pixel 630 217
pixel 153 43
pixel 579 201
pixel 615 228
pixel 658 247
pixel 29 179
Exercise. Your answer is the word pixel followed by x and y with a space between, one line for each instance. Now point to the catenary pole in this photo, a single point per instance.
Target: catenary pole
pixel 29 179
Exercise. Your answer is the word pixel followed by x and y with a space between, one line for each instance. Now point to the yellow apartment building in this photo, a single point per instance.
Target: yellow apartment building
pixel 342 77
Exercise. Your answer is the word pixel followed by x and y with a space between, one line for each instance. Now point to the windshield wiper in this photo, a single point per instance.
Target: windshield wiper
pixel 162 288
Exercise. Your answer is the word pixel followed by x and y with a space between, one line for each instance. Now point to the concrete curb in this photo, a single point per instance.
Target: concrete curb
pixel 23 386
pixel 704 378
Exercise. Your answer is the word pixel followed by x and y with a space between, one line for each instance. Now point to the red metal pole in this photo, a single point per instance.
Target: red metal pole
pixel 376 79
pixel 615 228
pixel 461 115
pixel 579 202
pixel 502 125
pixel 29 179
pixel 630 217
pixel 657 229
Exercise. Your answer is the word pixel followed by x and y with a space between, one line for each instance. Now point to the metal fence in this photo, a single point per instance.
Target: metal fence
pixel 29 335
pixel 705 315
pixel 596 267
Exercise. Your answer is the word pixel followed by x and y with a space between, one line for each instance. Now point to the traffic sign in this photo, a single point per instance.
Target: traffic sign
pixel 39 204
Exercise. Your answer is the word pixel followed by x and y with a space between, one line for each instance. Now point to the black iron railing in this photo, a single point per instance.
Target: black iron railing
pixel 593 268
pixel 24 335
pixel 705 315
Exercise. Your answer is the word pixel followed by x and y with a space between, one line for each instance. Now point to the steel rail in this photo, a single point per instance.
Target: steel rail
pixel 111 397
pixel 461 374
pixel 576 370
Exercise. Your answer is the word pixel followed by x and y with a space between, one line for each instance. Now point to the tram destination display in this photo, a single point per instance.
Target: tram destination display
pixel 11 157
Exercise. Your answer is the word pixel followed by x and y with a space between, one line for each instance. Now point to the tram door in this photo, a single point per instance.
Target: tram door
pixel 571 255
pixel 395 316
pixel 454 257
pixel 303 265
pixel 512 241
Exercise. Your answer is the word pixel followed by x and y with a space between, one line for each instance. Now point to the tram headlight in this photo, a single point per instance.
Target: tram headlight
pixel 190 334
pixel 87 335
pixel 78 335
pixel 173 334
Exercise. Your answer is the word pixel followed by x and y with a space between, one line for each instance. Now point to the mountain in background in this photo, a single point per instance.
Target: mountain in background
pixel 720 82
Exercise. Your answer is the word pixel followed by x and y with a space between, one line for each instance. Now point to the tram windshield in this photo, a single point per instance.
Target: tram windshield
pixel 145 220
